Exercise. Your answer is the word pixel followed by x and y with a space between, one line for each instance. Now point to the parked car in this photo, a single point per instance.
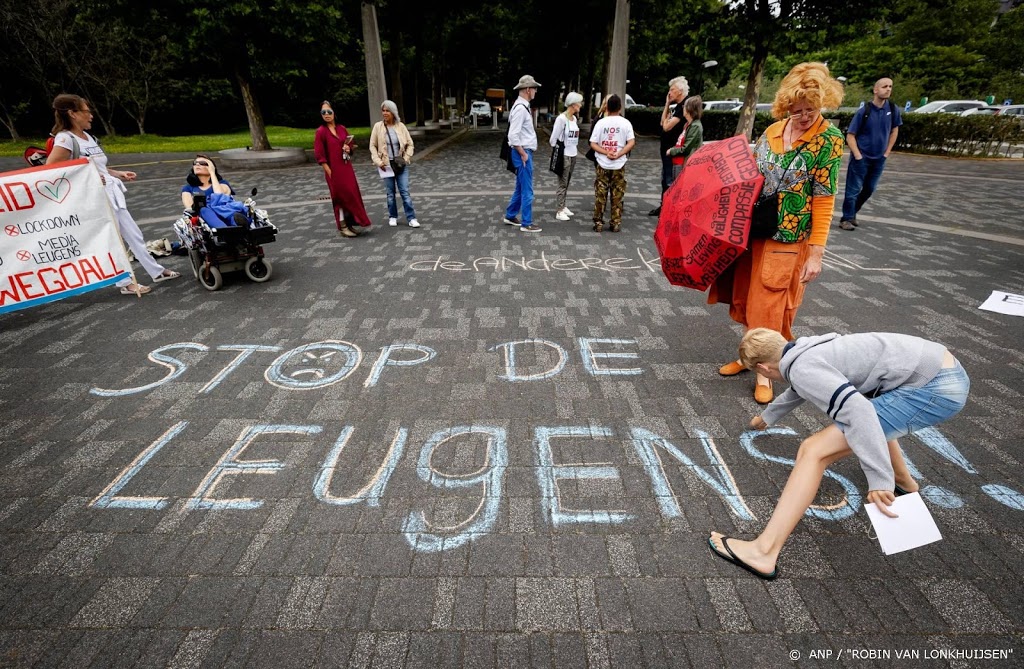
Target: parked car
pixel 1012 110
pixel 764 107
pixel 631 103
pixel 981 111
pixel 482 110
pixel 733 104
pixel 949 106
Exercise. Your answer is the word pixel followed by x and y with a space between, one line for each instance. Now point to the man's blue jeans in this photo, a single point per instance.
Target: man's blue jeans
pixel 402 180
pixel 522 197
pixel 861 178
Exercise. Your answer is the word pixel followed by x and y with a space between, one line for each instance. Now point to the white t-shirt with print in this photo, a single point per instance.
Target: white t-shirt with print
pixel 612 133
pixel 91 149
pixel 569 133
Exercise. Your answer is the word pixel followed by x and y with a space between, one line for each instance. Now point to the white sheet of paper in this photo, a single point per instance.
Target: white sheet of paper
pixel 385 172
pixel 1010 304
pixel 915 526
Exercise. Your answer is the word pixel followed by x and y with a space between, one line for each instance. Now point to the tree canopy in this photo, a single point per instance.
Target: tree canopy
pixel 174 66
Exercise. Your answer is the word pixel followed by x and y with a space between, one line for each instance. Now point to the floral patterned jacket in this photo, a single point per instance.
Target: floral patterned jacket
pixel 809 171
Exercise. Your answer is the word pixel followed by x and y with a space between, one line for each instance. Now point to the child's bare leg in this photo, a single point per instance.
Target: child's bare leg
pixel 816 453
pixel 899 467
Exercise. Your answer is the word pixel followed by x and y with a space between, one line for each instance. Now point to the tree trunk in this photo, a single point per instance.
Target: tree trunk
pixel 753 90
pixel 394 62
pixel 435 88
pixel 9 124
pixel 257 127
pixel 376 86
pixel 616 72
pixel 417 100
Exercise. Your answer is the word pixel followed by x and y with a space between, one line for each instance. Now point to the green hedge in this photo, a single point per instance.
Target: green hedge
pixel 717 124
pixel 943 134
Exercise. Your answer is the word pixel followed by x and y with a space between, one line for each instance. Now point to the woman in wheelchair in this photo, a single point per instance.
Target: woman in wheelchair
pixel 204 180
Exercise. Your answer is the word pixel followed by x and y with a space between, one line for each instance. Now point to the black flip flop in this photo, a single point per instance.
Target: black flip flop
pixel 732 559
pixel 900 491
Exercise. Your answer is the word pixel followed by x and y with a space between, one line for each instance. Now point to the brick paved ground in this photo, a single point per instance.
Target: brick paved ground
pixel 440 514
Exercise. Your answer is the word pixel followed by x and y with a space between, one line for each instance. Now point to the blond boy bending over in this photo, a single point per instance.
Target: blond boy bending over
pixel 875 387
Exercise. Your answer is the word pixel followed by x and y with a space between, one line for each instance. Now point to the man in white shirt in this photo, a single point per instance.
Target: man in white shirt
pixel 522 138
pixel 612 139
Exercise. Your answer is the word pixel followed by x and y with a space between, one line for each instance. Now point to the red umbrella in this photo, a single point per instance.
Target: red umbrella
pixel 705 215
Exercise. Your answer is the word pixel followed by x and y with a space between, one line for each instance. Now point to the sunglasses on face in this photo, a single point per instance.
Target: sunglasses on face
pixel 327 112
pixel 200 163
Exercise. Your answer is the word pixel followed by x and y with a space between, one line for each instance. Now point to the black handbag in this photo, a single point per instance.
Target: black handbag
pixel 506 155
pixel 764 220
pixel 591 155
pixel 557 164
pixel 398 163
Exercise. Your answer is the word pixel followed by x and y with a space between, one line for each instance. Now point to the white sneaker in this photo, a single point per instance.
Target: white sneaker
pixel 413 223
pixel 392 222
pixel 561 215
pixel 565 210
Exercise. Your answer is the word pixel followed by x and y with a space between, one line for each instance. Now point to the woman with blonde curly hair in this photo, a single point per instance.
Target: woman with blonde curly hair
pixel 799 156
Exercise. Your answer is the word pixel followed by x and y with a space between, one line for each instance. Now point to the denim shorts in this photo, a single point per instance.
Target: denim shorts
pixel 905 410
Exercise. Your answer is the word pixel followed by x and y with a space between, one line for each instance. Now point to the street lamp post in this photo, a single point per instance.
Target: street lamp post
pixel 705 66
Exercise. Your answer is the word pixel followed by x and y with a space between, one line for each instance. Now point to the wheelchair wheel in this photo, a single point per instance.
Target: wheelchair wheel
pixel 211 278
pixel 258 269
pixel 196 260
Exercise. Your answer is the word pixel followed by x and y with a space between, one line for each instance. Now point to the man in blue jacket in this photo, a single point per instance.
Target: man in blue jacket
pixel 871 136
pixel 876 387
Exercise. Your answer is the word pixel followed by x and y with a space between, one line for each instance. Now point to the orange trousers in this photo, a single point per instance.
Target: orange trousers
pixel 763 288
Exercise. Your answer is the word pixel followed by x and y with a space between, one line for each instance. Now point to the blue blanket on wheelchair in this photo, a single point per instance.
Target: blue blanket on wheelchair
pixel 220 211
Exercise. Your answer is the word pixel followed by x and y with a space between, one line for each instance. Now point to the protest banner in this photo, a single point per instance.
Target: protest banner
pixel 59 237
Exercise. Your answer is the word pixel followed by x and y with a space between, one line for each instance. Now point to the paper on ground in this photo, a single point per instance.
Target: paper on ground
pixel 915 526
pixel 1010 304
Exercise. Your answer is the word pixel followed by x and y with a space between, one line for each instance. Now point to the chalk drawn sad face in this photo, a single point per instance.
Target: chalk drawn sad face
pixel 315 365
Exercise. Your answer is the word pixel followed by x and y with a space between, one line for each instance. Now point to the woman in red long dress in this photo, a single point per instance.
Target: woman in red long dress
pixel 333 148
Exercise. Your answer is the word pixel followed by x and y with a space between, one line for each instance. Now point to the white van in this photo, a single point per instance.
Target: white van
pixel 631 103
pixel 482 110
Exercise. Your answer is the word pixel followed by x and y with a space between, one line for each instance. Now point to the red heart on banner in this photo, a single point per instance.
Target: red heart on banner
pixel 56 190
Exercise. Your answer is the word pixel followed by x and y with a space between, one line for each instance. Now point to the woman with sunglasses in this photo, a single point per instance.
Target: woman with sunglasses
pixel 333 149
pixel 799 156
pixel 72 119
pixel 204 179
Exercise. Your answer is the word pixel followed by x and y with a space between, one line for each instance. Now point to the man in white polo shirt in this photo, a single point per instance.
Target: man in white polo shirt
pixel 522 138
pixel 612 139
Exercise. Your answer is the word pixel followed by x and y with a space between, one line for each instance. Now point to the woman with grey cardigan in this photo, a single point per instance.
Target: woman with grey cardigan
pixel 567 131
pixel 391 150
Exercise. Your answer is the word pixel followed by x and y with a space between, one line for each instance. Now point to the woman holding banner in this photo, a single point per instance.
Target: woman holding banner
pixel 72 118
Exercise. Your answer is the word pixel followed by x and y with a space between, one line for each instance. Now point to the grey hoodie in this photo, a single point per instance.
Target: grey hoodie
pixel 835 372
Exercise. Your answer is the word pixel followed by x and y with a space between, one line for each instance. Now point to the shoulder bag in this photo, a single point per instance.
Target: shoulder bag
pixel 506 148
pixel 764 223
pixel 398 162
pixel 591 155
pixel 557 164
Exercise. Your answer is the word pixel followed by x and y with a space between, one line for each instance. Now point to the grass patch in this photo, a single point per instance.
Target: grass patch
pixel 279 137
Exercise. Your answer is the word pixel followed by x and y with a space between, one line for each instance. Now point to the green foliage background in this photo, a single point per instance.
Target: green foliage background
pixel 175 66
